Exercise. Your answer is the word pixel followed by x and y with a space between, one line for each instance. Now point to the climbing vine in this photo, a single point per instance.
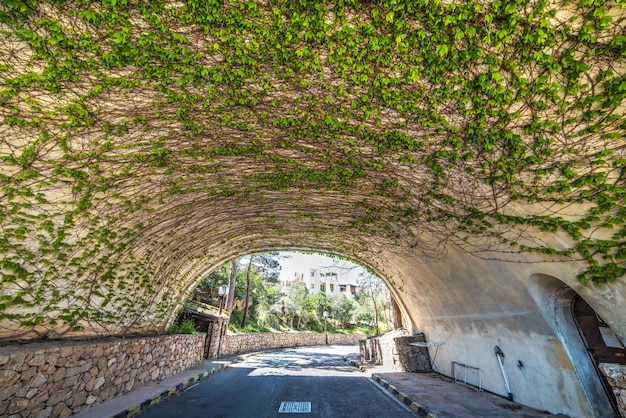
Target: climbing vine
pixel 138 138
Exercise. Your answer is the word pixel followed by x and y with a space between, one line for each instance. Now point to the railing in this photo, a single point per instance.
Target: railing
pixel 467 375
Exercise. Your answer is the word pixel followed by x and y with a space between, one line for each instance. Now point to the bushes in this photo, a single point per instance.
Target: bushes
pixel 185 327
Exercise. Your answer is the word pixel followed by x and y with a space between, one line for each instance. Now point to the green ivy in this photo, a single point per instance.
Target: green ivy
pixel 140 136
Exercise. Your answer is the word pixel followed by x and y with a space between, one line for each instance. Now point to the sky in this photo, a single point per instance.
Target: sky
pixel 300 263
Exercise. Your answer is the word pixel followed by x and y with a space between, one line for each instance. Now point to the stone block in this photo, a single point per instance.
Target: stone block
pixel 28 374
pixel 79 399
pixel 66 352
pixel 38 359
pixel 38 380
pixel 59 396
pixel 72 371
pixel 8 378
pixel 90 384
pixel 52 358
pixel 31 393
pixel 40 398
pixel 98 383
pixel 129 386
pixel 59 374
pixel 102 363
pixel 45 413
pixel 86 366
pixel 70 381
pixel 17 362
pixel 8 392
pixel 61 411
pixel 3 407
pixel 16 406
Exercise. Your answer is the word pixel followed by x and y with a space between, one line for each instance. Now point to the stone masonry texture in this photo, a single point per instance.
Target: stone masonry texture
pixel 616 375
pixel 259 341
pixel 57 379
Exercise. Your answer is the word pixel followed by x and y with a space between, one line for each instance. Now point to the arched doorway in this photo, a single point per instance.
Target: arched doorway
pixel 601 342
pixel 555 300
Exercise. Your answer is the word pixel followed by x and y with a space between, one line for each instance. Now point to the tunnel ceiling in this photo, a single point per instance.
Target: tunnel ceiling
pixel 143 142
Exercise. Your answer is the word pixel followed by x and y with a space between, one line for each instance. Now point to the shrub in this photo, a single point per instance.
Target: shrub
pixel 185 327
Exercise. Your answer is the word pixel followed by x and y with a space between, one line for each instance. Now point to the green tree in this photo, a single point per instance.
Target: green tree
pixel 319 303
pixel 373 289
pixel 342 309
pixel 293 306
pixel 266 265
pixel 207 289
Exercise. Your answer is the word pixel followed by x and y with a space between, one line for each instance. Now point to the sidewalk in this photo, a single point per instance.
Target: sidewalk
pixel 432 395
pixel 130 404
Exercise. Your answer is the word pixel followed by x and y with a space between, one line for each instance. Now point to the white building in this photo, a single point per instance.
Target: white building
pixel 325 281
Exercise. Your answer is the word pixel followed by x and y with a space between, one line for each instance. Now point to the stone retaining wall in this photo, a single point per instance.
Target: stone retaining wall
pixel 616 375
pixel 384 350
pixel 57 379
pixel 259 341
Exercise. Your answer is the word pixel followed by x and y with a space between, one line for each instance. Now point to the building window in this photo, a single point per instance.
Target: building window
pixel 312 274
pixel 312 285
pixel 322 288
pixel 342 287
pixel 332 288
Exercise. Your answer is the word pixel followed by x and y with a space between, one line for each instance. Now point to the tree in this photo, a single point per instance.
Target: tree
pixel 207 289
pixel 293 305
pixel 268 266
pixel 342 309
pixel 232 280
pixel 375 289
pixel 246 303
pixel 319 304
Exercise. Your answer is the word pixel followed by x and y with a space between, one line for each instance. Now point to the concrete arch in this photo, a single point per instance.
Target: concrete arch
pixel 554 300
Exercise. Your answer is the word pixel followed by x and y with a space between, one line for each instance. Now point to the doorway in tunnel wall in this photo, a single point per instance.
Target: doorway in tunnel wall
pixel 557 302
pixel 602 344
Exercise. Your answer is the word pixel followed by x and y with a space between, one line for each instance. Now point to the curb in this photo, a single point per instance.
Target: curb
pixel 136 409
pixel 355 364
pixel 417 408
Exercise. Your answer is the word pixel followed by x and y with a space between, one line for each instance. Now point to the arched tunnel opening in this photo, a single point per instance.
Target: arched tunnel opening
pixel 281 291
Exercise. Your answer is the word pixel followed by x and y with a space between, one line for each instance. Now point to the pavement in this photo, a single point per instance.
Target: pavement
pixel 432 395
pixel 429 395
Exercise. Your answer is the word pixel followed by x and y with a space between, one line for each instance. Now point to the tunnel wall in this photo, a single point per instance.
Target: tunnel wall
pixel 62 378
pixel 466 306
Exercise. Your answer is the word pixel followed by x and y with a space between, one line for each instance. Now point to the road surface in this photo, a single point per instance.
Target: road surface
pixel 284 384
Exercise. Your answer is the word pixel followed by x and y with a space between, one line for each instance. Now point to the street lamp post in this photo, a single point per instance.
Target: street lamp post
pixel 221 292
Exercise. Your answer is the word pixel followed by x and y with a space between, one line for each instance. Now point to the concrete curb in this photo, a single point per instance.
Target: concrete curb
pixel 355 364
pixel 419 410
pixel 136 409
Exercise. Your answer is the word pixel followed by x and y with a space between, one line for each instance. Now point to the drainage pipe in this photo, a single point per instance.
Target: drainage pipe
pixel 500 356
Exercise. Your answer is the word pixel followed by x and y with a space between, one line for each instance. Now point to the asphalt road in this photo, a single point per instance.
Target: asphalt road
pixel 265 383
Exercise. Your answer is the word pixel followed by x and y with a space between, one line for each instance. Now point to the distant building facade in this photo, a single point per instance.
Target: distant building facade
pixel 325 281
